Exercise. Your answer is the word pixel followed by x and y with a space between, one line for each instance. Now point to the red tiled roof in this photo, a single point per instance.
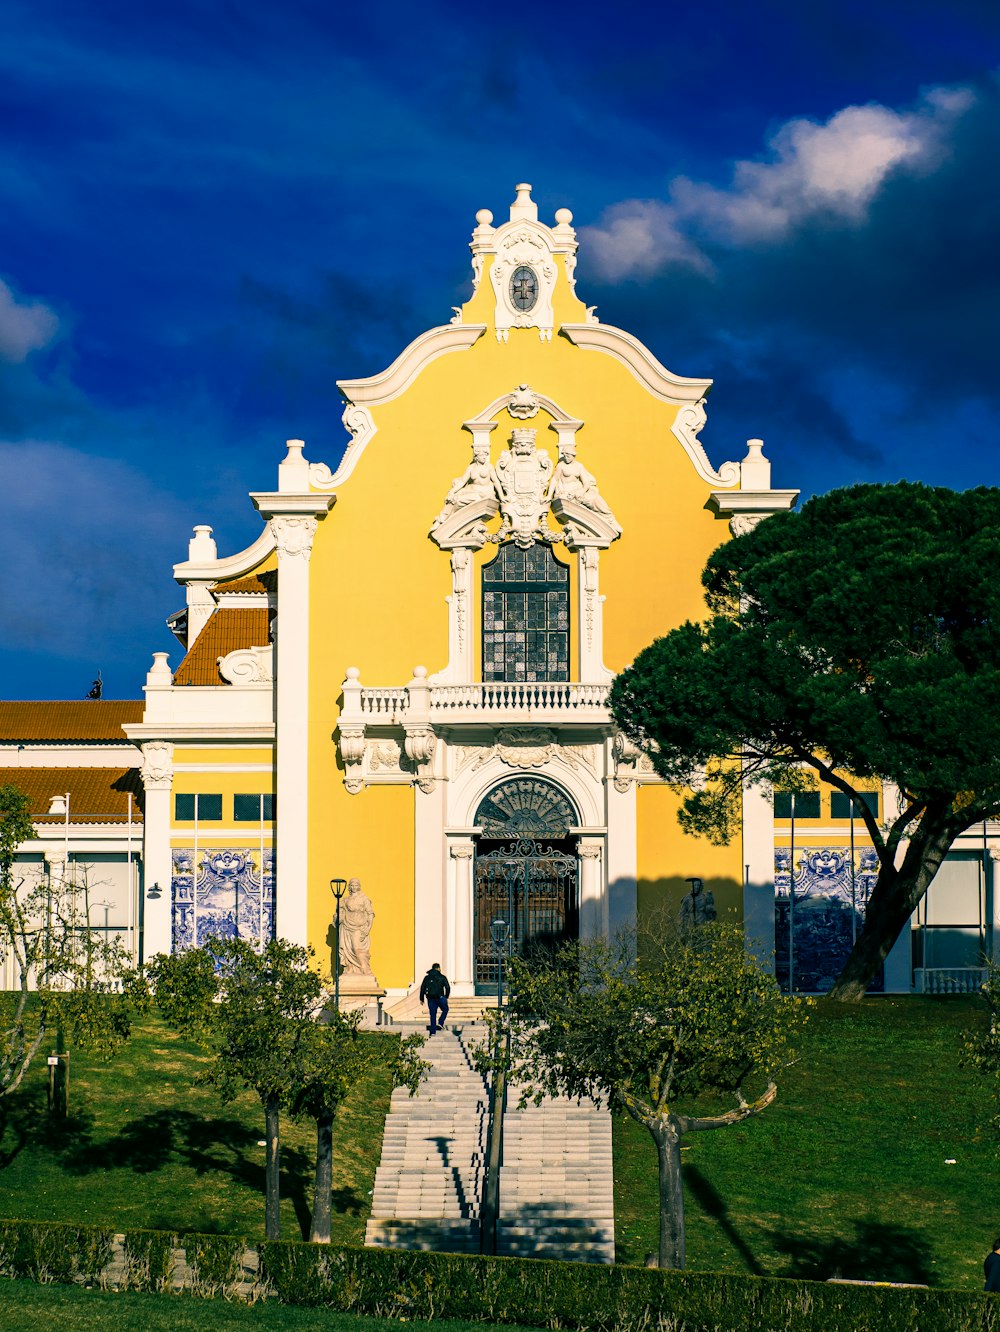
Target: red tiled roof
pixel 90 719
pixel 228 629
pixel 96 795
pixel 260 584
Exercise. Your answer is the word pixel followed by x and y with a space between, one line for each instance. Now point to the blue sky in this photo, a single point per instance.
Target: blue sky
pixel 210 213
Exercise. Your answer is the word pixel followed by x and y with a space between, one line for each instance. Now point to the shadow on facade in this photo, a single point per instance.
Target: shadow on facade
pixel 878 1252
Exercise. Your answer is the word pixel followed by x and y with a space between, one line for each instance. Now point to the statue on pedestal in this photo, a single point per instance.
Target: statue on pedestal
pixel 356 917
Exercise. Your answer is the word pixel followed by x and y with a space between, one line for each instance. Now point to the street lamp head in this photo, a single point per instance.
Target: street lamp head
pixel 696 885
pixel 338 887
pixel 499 932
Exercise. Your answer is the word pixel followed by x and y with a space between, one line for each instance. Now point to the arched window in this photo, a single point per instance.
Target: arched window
pixel 525 615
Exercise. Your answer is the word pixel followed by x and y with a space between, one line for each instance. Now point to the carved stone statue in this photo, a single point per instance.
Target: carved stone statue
pixel 697 908
pixel 477 482
pixel 356 917
pixel 523 473
pixel 572 481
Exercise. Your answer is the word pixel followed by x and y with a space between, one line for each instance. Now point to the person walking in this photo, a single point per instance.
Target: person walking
pixel 991 1267
pixel 434 990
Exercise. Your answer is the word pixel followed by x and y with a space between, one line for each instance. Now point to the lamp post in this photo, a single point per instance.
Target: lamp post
pixel 338 887
pixel 490 1209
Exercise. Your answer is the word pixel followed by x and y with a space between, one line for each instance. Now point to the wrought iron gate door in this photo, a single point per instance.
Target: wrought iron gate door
pixel 533 886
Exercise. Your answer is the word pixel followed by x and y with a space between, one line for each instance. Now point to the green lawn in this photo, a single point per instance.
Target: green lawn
pixel 31 1308
pixel 846 1173
pixel 145 1146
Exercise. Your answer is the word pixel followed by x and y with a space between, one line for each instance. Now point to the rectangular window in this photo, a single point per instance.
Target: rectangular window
pixel 253 808
pixel 525 615
pixel 206 808
pixel 806 804
pixel 840 804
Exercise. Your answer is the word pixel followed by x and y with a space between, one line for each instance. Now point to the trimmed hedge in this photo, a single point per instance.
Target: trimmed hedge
pixel 394 1283
pixel 49 1252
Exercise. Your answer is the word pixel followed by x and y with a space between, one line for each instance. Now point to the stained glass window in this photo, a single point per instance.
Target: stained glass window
pixel 525 615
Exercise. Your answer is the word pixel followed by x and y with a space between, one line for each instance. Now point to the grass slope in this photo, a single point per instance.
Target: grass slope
pixel 845 1174
pixel 145 1146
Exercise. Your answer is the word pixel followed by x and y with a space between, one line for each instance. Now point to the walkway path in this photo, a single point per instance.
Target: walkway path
pixel 556 1193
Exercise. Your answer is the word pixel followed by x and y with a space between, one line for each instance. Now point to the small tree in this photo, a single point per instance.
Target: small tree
pixel 655 1037
pixel 333 1056
pixel 67 977
pixel 858 638
pixel 262 1012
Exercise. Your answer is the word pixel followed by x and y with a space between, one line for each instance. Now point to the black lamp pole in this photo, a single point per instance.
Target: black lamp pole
pixel 338 887
pixel 490 1210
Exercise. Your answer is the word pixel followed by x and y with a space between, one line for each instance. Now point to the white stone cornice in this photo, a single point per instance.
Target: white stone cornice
pixel 436 342
pixel 675 389
pixel 760 502
pixel 192 732
pixel 231 566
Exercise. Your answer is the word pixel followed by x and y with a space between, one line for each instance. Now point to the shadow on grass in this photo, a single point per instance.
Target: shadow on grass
pixel 713 1205
pixel 878 1252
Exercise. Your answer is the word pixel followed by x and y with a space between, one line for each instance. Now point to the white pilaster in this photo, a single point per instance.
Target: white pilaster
pixel 460 617
pixel 431 931
pixel 995 904
pixel 593 899
pixel 590 629
pixel 293 518
pixel 157 780
pixel 462 852
pixel 758 875
pixel 622 873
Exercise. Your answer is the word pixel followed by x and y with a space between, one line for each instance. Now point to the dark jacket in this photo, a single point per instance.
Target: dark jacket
pixel 992 1270
pixel 434 985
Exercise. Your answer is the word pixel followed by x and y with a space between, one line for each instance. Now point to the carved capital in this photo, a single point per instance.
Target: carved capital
pixel 293 534
pixel 157 765
pixel 589 850
pixel 461 850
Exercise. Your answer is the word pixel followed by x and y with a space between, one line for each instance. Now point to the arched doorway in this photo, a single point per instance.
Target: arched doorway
pixel 525 872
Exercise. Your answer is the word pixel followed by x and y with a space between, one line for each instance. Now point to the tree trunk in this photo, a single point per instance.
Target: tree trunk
pixel 894 898
pixel 272 1168
pixel 322 1193
pixel 668 1151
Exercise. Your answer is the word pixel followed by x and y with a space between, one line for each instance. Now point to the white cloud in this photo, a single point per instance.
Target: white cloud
pixel 24 328
pixel 834 169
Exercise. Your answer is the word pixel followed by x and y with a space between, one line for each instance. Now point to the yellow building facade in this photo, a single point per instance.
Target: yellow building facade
pixel 408 670
pixel 404 680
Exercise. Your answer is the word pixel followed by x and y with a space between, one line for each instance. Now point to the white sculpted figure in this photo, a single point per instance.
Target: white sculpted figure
pixel 356 917
pixel 572 481
pixel 477 482
pixel 524 473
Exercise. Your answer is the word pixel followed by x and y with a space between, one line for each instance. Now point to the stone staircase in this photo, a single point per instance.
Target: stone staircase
pixel 429 1180
pixel 556 1198
pixel 556 1182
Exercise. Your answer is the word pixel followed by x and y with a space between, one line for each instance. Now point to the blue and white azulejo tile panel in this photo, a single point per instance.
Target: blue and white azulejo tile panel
pixel 228 893
pixel 818 912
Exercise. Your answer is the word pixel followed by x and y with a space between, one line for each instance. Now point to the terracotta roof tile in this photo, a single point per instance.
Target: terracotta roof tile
pixel 229 629
pixel 96 795
pixel 260 584
pixel 91 719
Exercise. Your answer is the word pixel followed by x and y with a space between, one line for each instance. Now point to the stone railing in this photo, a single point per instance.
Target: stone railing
pixel 505 697
pixel 949 980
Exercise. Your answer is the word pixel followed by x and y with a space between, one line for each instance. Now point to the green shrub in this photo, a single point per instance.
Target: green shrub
pixel 47 1252
pixel 149 1259
pixel 216 1262
pixel 393 1283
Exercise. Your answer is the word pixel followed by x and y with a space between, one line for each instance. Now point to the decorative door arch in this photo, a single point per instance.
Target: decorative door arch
pixel 525 872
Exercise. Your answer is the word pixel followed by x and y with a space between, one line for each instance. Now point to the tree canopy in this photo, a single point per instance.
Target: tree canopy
pixel 265 1014
pixel 660 1036
pixel 858 638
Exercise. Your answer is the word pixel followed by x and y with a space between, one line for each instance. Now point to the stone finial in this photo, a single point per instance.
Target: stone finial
pixel 755 469
pixel 293 470
pixel 201 547
pixel 159 675
pixel 523 208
